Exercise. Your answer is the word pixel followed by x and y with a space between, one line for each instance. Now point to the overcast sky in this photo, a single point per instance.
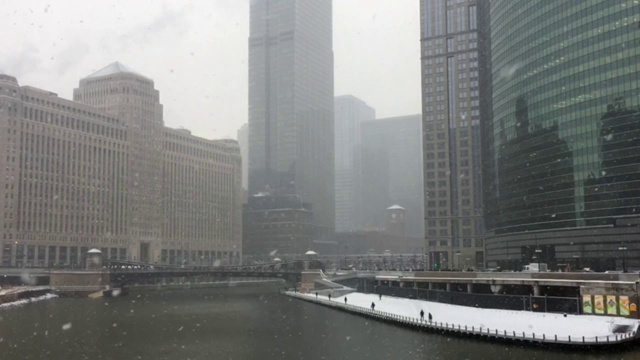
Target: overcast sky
pixel 196 52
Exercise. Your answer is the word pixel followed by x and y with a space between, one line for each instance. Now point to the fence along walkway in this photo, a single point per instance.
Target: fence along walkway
pixel 472 331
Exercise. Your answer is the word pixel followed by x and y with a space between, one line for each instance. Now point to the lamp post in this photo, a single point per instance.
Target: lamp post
pixel 624 262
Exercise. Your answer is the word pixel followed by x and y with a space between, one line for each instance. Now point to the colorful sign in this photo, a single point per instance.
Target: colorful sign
pixel 598 301
pixel 587 305
pixel 624 305
pixel 612 305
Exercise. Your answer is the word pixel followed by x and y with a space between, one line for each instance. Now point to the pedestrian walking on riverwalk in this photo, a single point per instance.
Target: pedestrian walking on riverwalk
pixel 329 297
pixel 430 317
pixel 345 300
pixel 316 295
pixel 421 315
pixel 373 306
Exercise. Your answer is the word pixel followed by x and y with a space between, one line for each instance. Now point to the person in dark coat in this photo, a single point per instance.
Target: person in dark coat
pixel 329 297
pixel 345 300
pixel 373 306
pixel 421 315
pixel 430 317
pixel 380 296
pixel 316 295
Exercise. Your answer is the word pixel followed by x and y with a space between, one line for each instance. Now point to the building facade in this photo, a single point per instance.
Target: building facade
pixel 392 171
pixel 291 103
pixel 562 142
pixel 453 206
pixel 243 141
pixel 350 112
pixel 96 172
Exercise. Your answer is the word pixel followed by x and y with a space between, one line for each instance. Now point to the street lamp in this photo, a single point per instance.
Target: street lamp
pixel 624 263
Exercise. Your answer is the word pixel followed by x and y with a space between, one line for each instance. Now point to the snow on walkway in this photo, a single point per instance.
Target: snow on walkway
pixel 530 323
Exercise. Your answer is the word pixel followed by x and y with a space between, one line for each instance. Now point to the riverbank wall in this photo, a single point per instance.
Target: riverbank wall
pixel 628 337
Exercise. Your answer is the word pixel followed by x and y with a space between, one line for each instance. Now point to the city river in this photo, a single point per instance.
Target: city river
pixel 229 323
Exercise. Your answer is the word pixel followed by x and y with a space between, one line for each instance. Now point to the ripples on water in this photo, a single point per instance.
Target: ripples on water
pixel 234 323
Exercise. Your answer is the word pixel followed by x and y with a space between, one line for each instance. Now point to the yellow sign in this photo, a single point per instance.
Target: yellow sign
pixel 624 305
pixel 599 303
pixel 633 307
pixel 587 305
pixel 612 305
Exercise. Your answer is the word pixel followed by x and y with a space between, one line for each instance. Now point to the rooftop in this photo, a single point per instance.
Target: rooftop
pixel 114 68
pixel 395 207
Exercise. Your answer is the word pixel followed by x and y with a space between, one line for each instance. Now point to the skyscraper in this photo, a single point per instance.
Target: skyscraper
pixel 451 132
pixel 291 103
pixel 243 141
pixel 391 171
pixel 561 144
pixel 350 112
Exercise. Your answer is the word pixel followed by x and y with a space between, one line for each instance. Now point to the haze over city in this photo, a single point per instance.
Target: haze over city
pixel 196 52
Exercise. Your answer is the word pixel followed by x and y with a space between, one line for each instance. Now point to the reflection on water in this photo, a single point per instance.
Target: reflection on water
pixel 236 323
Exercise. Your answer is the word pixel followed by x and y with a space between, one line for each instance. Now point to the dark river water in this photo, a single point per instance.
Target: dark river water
pixel 230 323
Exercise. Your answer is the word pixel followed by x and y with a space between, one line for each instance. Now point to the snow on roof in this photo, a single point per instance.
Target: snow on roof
pixel 113 68
pixel 276 260
pixel 311 252
pixel 94 251
pixel 395 207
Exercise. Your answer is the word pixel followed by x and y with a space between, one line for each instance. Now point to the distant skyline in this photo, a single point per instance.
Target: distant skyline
pixel 196 52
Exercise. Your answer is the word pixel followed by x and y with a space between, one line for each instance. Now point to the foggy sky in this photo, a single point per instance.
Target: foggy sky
pixel 196 52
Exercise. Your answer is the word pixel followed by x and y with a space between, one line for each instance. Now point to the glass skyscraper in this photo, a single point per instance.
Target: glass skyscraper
pixel 291 103
pixel 562 137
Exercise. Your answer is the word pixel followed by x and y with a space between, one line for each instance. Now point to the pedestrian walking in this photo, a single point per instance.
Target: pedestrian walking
pixel 316 295
pixel 430 317
pixel 345 300
pixel 329 297
pixel 380 297
pixel 421 315
pixel 373 306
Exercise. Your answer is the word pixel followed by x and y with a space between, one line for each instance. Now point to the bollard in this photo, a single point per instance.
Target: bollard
pixel 607 338
pixel 473 328
pixel 505 333
pixel 534 336
pixel 583 339
pixel 569 338
pixel 514 334
pixel 556 337
pixel 496 332
pixel 523 335
pixel 543 337
pixel 616 337
pixel 465 328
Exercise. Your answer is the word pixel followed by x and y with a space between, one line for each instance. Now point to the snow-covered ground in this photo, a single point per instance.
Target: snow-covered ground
pixel 549 324
pixel 29 300
pixel 17 289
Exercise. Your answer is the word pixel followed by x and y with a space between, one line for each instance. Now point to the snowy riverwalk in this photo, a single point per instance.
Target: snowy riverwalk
pixel 502 324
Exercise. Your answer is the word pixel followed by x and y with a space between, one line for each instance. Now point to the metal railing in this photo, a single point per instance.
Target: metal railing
pixel 472 330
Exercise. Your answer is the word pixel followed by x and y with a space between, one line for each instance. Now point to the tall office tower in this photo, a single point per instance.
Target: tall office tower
pixel 392 171
pixel 291 103
pixel 562 141
pixel 350 112
pixel 243 141
pixel 451 133
pixel 133 98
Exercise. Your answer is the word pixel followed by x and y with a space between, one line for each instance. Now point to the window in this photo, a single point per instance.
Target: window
pixel 473 17
pixel 466 243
